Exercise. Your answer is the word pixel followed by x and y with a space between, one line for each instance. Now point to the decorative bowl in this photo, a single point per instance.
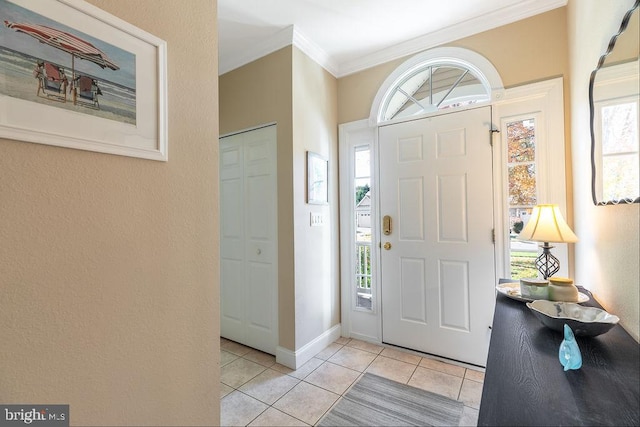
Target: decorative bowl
pixel 584 321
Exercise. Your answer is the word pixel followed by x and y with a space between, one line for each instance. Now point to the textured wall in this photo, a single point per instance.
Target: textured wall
pixel 109 264
pixel 608 251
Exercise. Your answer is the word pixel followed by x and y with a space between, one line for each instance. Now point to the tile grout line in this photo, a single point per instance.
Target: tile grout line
pixel 340 395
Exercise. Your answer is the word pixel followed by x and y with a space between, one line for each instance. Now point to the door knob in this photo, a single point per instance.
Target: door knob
pixel 387 245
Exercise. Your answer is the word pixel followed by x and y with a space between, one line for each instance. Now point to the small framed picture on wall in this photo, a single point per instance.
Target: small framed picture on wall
pixel 317 172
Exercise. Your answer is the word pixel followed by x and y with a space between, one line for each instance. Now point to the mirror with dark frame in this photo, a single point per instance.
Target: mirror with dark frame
pixel 614 98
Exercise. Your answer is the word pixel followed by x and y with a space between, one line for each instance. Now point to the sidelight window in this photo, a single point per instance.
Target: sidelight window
pixel 522 193
pixel 362 225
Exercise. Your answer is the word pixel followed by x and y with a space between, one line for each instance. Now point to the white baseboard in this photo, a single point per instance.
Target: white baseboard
pixel 296 359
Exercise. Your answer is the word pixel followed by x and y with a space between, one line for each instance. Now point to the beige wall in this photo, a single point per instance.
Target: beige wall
pixel 255 94
pixel 523 52
pixel 315 128
pixel 289 88
pixel 110 264
pixel 608 251
pixel 526 51
pixel 626 47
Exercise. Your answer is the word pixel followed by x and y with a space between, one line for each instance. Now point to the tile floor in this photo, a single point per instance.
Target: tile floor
pixel 256 391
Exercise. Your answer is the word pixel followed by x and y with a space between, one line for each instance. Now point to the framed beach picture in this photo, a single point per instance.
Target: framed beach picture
pixel 317 172
pixel 74 76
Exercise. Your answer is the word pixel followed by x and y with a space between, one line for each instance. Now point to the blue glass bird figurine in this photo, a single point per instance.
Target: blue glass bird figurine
pixel 569 354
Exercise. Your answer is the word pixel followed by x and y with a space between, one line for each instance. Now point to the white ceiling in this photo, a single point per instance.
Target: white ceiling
pixel 346 36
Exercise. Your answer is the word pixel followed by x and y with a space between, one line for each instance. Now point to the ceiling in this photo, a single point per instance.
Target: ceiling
pixel 347 36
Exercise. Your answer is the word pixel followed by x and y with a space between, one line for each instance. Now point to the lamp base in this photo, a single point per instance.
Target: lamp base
pixel 547 264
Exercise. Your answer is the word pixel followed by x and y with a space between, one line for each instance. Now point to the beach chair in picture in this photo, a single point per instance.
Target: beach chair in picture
pixel 52 82
pixel 86 92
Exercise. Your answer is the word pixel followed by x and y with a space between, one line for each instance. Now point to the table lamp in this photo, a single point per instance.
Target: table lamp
pixel 547 225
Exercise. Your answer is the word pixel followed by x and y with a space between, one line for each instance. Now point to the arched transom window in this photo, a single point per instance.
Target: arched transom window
pixel 435 80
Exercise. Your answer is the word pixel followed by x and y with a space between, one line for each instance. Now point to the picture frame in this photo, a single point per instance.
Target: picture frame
pixel 106 93
pixel 317 173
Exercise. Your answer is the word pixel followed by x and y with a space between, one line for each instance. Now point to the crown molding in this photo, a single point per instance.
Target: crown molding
pixel 458 31
pixel 237 59
pixel 314 51
pixel 292 36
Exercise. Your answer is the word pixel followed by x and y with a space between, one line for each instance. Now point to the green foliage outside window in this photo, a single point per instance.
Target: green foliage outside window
pixel 361 192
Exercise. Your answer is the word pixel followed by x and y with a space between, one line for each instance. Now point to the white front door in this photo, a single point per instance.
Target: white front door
pixel 438 273
pixel 248 239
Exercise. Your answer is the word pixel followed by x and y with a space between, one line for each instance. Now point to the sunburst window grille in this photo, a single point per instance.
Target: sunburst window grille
pixel 431 88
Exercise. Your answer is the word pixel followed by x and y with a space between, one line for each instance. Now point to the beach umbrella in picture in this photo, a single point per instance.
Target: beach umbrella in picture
pixel 66 42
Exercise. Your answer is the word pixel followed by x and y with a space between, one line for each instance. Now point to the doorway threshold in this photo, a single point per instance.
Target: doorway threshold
pixel 435 357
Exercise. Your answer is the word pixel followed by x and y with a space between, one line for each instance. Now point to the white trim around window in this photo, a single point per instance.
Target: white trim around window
pixel 454 56
pixel 544 101
pixel 357 323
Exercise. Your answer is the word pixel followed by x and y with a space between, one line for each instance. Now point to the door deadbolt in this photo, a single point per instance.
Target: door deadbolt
pixel 386 225
pixel 387 245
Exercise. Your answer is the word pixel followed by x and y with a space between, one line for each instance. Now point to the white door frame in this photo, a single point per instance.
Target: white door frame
pixel 545 97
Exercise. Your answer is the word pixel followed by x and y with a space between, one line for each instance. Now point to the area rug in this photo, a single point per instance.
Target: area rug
pixel 378 401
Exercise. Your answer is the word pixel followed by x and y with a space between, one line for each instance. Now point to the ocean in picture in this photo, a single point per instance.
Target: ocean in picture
pixel 18 80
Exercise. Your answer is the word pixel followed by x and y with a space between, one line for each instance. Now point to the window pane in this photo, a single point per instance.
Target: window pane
pixel 434 87
pixel 521 165
pixel 522 185
pixel 521 141
pixel 395 103
pixel 523 254
pixel 620 128
pixel 363 163
pixel 456 86
pixel 620 176
pixel 413 84
pixel 362 198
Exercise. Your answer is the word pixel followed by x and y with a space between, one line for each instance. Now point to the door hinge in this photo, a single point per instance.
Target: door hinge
pixel 493 235
pixel 492 131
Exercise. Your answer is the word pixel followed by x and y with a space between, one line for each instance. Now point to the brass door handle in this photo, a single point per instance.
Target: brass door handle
pixel 387 245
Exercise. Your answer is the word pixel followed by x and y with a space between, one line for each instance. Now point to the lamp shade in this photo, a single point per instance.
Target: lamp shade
pixel 547 225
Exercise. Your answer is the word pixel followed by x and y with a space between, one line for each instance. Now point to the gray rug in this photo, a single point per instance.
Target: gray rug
pixel 377 401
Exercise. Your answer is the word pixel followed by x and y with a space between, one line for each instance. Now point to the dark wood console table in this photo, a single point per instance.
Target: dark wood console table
pixel 525 383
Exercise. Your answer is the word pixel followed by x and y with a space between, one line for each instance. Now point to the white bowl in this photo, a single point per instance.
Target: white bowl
pixel 584 321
